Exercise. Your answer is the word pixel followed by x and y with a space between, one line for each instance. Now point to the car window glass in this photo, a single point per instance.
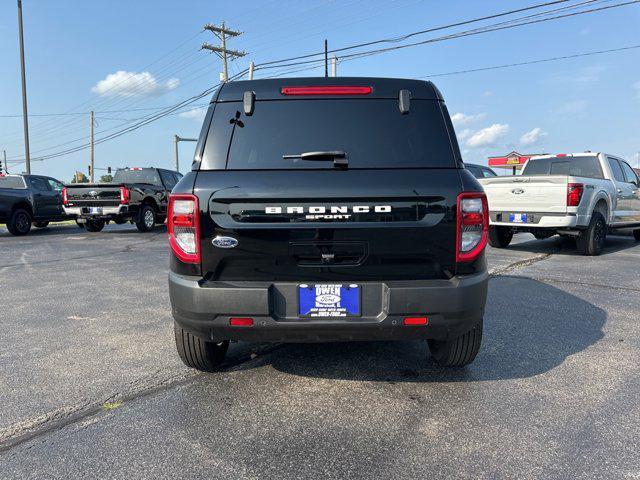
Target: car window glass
pixel 40 184
pixel 488 173
pixel 475 171
pixel 587 166
pixel 169 179
pixel 629 174
pixel 57 186
pixel 616 170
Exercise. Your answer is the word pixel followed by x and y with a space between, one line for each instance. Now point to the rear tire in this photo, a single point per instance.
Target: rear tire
pixel 146 219
pixel 20 222
pixel 40 224
pixel 591 241
pixel 500 237
pixel 198 353
pixel 458 352
pixel 636 235
pixel 94 225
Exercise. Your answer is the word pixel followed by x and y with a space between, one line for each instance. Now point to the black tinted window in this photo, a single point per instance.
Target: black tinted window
pixel 145 175
pixel 169 179
pixel 575 166
pixel 476 171
pixel 12 182
pixel 616 170
pixel 39 184
pixel 373 134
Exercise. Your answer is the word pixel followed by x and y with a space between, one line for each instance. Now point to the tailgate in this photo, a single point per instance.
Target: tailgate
pixel 358 225
pixel 93 194
pixel 527 194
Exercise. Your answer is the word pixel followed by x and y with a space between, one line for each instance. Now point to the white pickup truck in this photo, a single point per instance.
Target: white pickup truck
pixel 583 195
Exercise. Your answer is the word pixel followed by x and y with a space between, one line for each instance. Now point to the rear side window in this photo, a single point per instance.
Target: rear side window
pixel 169 179
pixel 488 173
pixel 40 184
pixel 372 132
pixel 12 182
pixel 588 167
pixel 629 174
pixel 616 170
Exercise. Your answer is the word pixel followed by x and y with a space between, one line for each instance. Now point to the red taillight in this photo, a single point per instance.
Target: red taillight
pixel 561 155
pixel 124 195
pixel 415 321
pixel 574 194
pixel 65 197
pixel 326 90
pixel 183 225
pixel 472 226
pixel 241 322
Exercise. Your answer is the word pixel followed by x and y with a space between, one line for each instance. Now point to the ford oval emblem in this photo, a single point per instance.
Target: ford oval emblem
pixel 517 191
pixel 224 242
pixel 93 193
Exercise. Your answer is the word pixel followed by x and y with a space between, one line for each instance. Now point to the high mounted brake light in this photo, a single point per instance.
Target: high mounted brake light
pixel 326 90
pixel 574 194
pixel 183 225
pixel 472 226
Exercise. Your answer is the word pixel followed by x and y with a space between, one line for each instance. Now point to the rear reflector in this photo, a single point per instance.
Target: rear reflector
pixel 415 321
pixel 241 322
pixel 326 90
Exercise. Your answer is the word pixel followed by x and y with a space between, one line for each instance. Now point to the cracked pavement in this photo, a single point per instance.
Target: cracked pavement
pixel 91 386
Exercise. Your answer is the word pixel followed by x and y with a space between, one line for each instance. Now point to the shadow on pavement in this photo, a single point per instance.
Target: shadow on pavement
pixel 530 328
pixel 75 230
pixel 567 246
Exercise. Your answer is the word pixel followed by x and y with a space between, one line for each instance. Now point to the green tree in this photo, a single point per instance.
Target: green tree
pixel 106 178
pixel 79 177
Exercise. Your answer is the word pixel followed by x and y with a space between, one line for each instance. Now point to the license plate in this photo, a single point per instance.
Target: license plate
pixel 95 210
pixel 518 217
pixel 329 300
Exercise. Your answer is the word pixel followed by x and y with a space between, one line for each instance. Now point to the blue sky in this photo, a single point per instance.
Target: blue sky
pixel 75 49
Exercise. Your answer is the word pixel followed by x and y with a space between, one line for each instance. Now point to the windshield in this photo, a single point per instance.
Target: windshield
pixel 146 175
pixel 372 134
pixel 587 166
pixel 12 182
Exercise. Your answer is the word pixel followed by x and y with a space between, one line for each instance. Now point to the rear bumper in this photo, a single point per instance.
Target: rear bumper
pixel 543 221
pixel 452 306
pixel 107 211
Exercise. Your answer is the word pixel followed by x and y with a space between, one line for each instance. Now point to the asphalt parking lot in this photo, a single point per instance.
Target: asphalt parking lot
pixel 91 386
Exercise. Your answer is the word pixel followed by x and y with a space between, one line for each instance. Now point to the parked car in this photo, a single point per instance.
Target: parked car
pixel 323 209
pixel 27 200
pixel 582 195
pixel 480 171
pixel 136 195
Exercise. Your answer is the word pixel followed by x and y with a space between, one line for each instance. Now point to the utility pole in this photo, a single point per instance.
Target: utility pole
pixel 334 66
pixel 4 163
pixel 252 67
pixel 177 139
pixel 326 58
pixel 92 168
pixel 25 117
pixel 221 32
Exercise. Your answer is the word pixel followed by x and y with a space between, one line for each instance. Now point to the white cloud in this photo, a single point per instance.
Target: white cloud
pixel 488 136
pixel 132 84
pixel 533 137
pixel 461 119
pixel 194 113
pixel 464 134
pixel 572 107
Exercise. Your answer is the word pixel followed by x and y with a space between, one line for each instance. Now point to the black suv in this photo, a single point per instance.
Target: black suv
pixel 322 209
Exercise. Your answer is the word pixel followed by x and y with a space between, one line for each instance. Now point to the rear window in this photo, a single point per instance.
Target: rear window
pixel 12 182
pixel 587 166
pixel 373 133
pixel 146 175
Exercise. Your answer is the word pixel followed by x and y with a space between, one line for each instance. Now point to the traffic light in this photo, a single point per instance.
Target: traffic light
pixel 1 167
pixel 89 170
pixel 109 170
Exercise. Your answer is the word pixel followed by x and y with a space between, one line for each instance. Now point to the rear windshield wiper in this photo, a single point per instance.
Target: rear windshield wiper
pixel 338 156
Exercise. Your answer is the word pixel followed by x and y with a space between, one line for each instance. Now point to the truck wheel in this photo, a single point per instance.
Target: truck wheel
pixel 591 241
pixel 198 353
pixel 146 219
pixel 94 225
pixel 458 352
pixel 636 235
pixel 20 222
pixel 40 224
pixel 500 237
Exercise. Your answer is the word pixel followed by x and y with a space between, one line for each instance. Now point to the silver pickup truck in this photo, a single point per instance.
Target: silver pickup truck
pixel 583 195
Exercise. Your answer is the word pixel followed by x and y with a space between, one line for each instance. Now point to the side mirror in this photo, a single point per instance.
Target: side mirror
pixel 249 102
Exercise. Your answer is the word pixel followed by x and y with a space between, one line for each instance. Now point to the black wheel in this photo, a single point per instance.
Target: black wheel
pixel 591 241
pixel 20 222
pixel 80 225
pixel 94 225
pixel 636 235
pixel 198 353
pixel 500 237
pixel 146 219
pixel 458 352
